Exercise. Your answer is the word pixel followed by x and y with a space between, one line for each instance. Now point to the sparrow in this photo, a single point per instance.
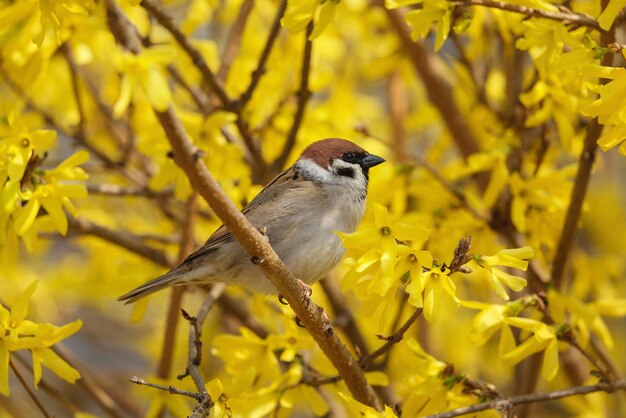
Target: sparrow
pixel 300 211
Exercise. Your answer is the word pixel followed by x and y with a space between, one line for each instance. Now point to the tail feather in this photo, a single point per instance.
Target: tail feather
pixel 154 285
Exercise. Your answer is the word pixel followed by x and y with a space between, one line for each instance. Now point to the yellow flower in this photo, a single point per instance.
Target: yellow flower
pixel 18 333
pixel 300 12
pixel 382 236
pixel 544 338
pixel 586 317
pixel 55 13
pixel 494 318
pixel 143 72
pixel 432 11
pixel 514 258
pixel 609 14
pixel 245 351
pixel 53 189
pixel 428 288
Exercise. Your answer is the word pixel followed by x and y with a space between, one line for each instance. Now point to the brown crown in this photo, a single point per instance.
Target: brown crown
pixel 325 150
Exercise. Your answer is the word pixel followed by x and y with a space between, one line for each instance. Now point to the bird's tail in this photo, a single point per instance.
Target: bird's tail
pixel 167 280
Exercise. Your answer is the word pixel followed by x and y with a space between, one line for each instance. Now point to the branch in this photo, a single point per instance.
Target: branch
pixel 303 97
pixel 171 389
pixel 203 398
pixel 187 244
pixel 109 400
pixel 391 340
pixel 120 238
pixel 195 350
pixel 585 164
pixel 28 390
pixel 563 15
pixel 436 86
pixel 505 404
pixel 260 69
pixel 198 61
pixel 250 238
pixel 344 319
pixel 77 136
pixel 115 190
pixel 234 39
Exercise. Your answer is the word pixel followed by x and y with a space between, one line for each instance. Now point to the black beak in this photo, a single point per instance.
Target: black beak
pixel 371 161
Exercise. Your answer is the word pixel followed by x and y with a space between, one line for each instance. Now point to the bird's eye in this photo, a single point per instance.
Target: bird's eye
pixel 349 157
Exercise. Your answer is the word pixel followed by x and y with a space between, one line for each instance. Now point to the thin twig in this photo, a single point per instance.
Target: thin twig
pixel 28 390
pixel 115 190
pixel 563 15
pixel 171 389
pixel 195 350
pixel 505 404
pixel 391 340
pixel 303 97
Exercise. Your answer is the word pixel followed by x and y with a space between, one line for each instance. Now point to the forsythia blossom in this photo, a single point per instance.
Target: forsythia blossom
pixel 19 333
pixel 514 258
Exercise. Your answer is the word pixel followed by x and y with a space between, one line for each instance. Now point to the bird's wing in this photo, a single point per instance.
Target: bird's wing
pixel 273 190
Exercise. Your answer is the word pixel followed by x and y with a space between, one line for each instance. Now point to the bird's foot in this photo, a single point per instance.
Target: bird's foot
pixel 328 328
pixel 306 289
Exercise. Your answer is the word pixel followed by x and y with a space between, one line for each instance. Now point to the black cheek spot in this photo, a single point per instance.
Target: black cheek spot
pixel 346 172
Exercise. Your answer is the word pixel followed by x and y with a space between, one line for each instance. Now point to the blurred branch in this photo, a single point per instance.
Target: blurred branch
pixel 115 190
pixel 109 400
pixel 437 87
pixel 121 238
pixel 398 106
pixel 260 69
pixel 167 22
pixel 563 15
pixel 28 390
pixel 251 239
pixel 187 244
pixel 234 39
pixel 197 59
pixel 50 389
pixel 78 136
pixel 585 164
pixel 505 404
pixel 236 309
pixel 198 96
pixel 303 97
pixel 344 319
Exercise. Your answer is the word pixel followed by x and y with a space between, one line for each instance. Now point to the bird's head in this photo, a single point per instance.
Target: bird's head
pixel 336 161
